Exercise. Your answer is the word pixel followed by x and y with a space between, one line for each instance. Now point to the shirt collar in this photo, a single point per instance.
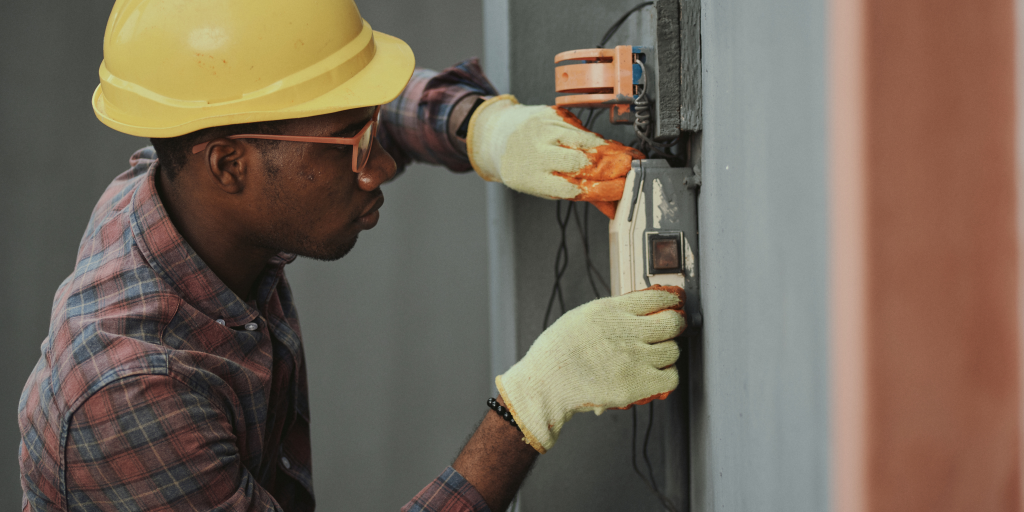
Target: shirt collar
pixel 174 260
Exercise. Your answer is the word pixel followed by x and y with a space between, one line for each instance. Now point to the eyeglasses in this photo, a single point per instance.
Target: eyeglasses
pixel 362 142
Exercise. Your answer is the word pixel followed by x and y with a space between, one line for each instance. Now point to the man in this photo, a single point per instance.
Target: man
pixel 173 375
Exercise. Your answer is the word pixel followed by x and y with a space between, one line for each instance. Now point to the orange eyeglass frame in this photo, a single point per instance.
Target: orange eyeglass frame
pixel 360 152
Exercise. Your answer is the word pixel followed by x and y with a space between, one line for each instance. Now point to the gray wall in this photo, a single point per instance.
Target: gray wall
pixel 761 423
pixel 55 160
pixel 396 333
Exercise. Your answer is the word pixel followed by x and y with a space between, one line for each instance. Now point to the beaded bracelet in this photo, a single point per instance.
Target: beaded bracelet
pixel 503 412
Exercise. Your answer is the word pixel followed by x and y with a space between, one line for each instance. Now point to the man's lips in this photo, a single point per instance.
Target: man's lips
pixel 373 206
pixel 370 214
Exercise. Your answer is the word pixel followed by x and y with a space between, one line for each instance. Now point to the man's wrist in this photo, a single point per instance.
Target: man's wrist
pixel 501 402
pixel 459 115
pixel 495 460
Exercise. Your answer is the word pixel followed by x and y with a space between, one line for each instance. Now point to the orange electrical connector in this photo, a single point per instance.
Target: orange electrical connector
pixel 605 77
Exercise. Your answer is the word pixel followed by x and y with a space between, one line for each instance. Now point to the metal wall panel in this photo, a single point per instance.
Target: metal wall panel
pixel 761 428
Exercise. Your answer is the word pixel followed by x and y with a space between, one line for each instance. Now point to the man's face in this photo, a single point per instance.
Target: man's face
pixel 311 202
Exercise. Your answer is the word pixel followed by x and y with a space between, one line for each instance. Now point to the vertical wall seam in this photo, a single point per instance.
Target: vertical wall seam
pixel 500 228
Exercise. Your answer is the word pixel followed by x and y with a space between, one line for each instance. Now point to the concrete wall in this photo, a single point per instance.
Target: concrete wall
pixel 396 333
pixel 761 423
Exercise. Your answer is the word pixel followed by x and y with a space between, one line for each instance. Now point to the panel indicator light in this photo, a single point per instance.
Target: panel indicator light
pixel 664 254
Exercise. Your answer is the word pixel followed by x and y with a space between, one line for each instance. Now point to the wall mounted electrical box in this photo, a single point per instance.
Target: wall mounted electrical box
pixel 655 86
pixel 653 237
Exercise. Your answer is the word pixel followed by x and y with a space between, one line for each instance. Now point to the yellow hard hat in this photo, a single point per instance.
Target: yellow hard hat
pixel 172 67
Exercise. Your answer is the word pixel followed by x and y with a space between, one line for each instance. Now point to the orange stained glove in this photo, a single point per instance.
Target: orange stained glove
pixel 609 353
pixel 678 292
pixel 545 151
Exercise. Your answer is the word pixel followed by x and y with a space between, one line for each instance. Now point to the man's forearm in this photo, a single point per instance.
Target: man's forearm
pixel 495 460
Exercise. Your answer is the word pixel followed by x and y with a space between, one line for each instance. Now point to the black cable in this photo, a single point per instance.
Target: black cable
pixel 584 229
pixel 647 459
pixel 562 255
pixel 561 261
pixel 590 117
pixel 633 445
pixel 649 482
pixel 611 31
pixel 591 268
pixel 586 250
pixel 590 264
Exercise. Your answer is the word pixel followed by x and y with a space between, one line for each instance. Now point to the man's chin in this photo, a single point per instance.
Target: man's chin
pixel 329 253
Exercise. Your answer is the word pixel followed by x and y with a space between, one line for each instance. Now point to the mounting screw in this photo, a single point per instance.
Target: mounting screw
pixel 693 182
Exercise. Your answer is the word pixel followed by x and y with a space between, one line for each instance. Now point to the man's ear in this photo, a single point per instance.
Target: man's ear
pixel 228 164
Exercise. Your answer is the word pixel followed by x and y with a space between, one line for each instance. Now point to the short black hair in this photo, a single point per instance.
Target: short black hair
pixel 173 152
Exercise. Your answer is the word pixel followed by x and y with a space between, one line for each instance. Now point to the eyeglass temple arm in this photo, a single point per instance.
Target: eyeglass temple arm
pixel 199 148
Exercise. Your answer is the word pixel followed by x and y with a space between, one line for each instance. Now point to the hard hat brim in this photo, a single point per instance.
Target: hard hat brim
pixel 380 82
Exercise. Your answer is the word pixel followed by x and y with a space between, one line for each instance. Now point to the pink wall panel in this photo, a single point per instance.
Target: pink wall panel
pixel 925 330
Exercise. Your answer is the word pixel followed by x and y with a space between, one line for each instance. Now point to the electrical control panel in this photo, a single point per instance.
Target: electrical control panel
pixel 653 237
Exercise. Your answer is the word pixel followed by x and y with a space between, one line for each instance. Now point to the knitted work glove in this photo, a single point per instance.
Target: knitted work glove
pixel 545 151
pixel 608 353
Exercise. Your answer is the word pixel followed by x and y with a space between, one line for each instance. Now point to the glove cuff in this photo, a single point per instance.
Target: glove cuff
pixel 528 436
pixel 485 159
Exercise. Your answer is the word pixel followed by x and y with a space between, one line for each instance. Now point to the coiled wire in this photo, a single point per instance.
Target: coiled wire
pixel 642 122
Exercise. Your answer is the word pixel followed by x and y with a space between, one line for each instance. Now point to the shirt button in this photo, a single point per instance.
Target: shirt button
pixel 286 463
pixel 221 321
pixel 251 326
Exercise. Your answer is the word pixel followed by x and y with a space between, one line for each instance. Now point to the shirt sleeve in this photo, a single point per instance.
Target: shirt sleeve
pixel 149 442
pixel 414 127
pixel 449 492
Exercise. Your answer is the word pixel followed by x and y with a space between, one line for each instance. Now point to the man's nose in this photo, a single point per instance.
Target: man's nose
pixel 378 170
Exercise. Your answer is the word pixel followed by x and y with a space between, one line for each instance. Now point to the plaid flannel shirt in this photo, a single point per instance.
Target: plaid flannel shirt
pixel 415 125
pixel 158 388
